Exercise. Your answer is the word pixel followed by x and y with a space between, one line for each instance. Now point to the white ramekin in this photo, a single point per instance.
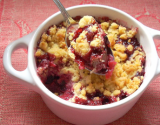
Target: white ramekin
pixel 74 113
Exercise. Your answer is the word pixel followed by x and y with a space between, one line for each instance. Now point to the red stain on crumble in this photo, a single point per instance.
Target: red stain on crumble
pixel 87 2
pixel 24 29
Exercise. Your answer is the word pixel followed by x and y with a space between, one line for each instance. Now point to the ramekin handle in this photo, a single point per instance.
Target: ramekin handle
pixel 155 34
pixel 19 76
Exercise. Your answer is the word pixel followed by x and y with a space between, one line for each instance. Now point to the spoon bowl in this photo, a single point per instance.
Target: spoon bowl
pixel 72 26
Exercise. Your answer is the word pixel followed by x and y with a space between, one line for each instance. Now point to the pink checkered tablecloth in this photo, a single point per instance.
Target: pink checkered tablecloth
pixel 20 105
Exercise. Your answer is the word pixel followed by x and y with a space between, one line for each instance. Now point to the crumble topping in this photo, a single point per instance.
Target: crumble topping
pixel 61 74
pixel 81 45
pixel 86 20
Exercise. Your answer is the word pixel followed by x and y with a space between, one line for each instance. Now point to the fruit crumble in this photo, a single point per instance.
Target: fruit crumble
pixel 60 73
pixel 90 46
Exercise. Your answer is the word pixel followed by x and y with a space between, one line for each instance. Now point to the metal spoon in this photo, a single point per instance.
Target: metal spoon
pixel 72 25
pixel 69 21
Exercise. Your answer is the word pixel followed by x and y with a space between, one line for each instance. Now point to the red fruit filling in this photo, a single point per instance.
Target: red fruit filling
pixel 56 83
pixel 102 100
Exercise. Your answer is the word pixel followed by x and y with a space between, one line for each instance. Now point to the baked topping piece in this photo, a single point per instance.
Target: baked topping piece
pixel 59 72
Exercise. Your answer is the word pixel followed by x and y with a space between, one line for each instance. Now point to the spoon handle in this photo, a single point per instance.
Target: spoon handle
pixel 63 10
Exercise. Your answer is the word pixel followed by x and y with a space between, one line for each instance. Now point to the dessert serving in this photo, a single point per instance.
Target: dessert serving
pixel 59 71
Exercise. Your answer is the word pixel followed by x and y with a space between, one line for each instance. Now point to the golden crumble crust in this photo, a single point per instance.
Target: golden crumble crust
pixel 81 45
pixel 86 20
